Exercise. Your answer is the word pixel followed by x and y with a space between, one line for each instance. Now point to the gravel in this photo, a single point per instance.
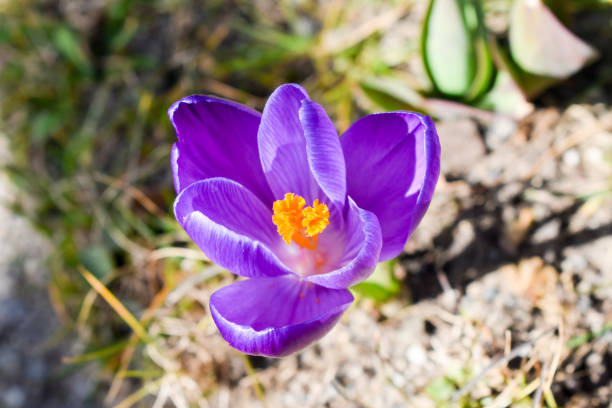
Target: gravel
pixel 31 371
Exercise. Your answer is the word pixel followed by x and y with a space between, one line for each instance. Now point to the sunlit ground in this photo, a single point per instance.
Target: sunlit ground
pixel 502 297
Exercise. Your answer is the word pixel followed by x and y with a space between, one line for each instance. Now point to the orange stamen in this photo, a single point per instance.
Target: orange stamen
pixel 288 215
pixel 302 225
pixel 316 218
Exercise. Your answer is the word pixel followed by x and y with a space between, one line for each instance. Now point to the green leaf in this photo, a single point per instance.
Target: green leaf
pixel 485 70
pixel 441 390
pixel 506 97
pixel 381 285
pixel 119 10
pixel 541 45
pixel 288 42
pixel 43 124
pixel 395 88
pixel 97 354
pixel 68 45
pixel 583 338
pixel 97 259
pixel 5 33
pixel 382 99
pixel 448 48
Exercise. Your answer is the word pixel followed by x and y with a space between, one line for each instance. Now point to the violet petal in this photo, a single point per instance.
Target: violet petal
pixel 282 146
pixel 324 152
pixel 231 226
pixel 276 316
pixel 216 138
pixel 361 253
pixel 393 163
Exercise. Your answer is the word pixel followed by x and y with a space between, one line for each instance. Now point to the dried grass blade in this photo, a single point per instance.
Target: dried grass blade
pixel 132 399
pixel 117 306
pixel 97 354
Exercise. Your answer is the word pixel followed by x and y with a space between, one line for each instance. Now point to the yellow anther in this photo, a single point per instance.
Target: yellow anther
pixel 302 225
pixel 288 215
pixel 316 218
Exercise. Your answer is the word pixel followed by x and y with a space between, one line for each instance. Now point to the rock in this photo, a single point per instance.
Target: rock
pixel 499 131
pixel 461 145
pixel 547 232
pixel 14 397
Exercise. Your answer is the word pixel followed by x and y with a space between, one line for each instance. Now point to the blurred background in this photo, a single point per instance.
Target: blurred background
pixel 502 297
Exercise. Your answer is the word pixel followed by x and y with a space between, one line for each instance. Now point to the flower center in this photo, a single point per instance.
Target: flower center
pixel 302 225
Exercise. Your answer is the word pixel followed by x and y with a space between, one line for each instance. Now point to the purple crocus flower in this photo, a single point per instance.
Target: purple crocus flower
pixel 279 199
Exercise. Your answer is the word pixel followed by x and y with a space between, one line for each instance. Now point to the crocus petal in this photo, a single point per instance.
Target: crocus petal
pixel 361 251
pixel 231 226
pixel 216 138
pixel 299 148
pixel 174 155
pixel 324 151
pixel 276 316
pixel 282 146
pixel 393 163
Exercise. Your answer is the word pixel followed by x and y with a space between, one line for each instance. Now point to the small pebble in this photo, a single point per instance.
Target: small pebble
pixel 14 397
pixel 571 158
